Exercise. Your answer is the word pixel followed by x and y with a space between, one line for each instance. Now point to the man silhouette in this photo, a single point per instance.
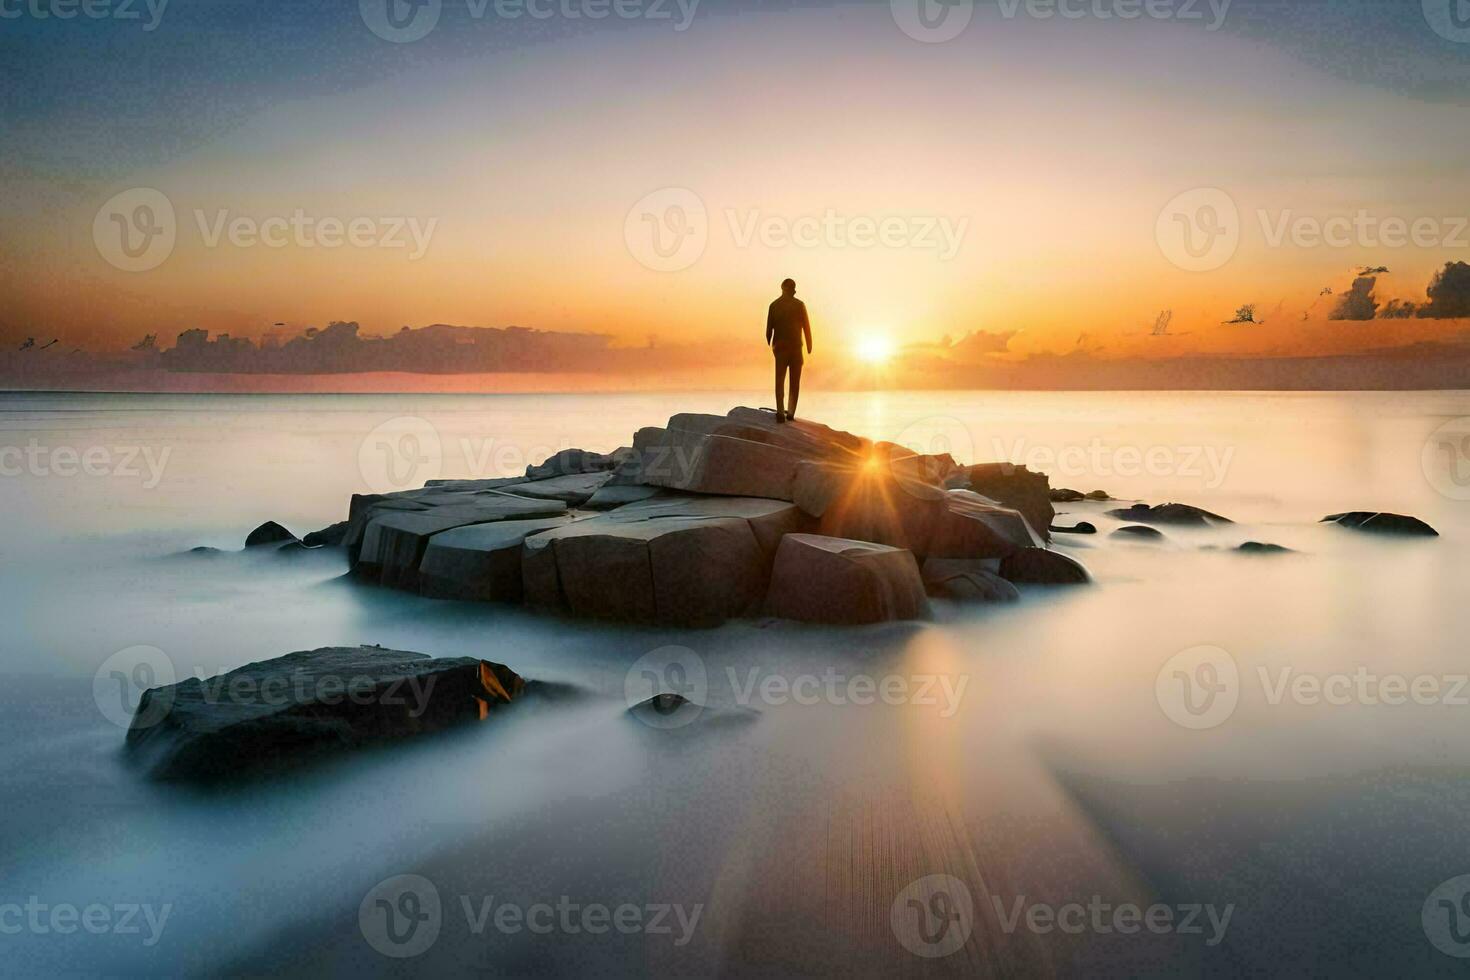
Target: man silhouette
pixel 786 327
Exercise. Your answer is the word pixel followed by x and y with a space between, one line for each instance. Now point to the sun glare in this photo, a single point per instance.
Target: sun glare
pixel 874 349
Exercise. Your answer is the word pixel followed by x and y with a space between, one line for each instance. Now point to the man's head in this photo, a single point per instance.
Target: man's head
pixel 788 287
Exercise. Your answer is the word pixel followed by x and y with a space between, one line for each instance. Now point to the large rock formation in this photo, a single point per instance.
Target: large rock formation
pixel 822 579
pixel 273 713
pixel 683 527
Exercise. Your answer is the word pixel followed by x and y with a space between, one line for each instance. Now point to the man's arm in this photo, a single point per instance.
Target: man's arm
pixel 770 323
pixel 806 328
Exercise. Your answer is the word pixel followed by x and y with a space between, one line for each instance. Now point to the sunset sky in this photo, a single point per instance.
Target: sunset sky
pixel 1023 170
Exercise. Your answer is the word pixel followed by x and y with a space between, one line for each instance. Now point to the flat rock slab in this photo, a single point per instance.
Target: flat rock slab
pixel 823 579
pixel 681 560
pixel 1381 523
pixel 394 543
pixel 277 712
pixel 481 561
pixel 572 488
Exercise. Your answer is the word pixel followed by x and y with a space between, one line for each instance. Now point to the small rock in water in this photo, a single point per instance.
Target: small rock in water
pixel 1081 527
pixel 1037 566
pixel 1262 548
pixel 1381 523
pixel 1062 495
pixel 268 533
pixel 1098 495
pixel 1140 532
pixel 968 579
pixel 332 535
pixel 1181 514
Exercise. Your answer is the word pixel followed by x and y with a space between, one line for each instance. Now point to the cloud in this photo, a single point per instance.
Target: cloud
pixel 1357 303
pixel 1449 292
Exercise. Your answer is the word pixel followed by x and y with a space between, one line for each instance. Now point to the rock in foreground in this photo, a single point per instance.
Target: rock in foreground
pixel 1382 523
pixel 821 579
pixel 273 713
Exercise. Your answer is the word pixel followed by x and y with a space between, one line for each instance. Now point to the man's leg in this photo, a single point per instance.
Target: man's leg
pixel 780 387
pixel 795 386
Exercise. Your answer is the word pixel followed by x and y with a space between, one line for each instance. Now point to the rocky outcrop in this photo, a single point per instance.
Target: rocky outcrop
pixel 268 533
pixel 329 536
pixel 681 559
pixel 967 579
pixel 1262 548
pixel 480 562
pixel 278 712
pixel 1179 515
pixel 822 579
pixel 570 461
pixel 1016 487
pixel 1379 522
pixel 1037 566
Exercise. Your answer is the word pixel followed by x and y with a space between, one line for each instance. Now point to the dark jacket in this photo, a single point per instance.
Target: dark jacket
pixel 787 326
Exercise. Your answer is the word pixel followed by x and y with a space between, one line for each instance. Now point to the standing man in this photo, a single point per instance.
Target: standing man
pixel 786 328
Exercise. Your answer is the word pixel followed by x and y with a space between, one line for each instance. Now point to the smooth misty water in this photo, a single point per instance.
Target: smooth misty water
pixel 1057 777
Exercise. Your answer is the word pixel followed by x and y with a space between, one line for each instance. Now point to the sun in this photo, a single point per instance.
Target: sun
pixel 874 349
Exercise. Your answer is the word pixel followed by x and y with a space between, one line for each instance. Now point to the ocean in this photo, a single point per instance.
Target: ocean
pixel 1260 756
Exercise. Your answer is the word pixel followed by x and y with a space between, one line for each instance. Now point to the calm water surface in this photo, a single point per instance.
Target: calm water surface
pixel 1052 772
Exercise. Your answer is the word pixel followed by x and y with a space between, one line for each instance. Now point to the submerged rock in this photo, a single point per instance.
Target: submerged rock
pixel 968 579
pixel 1381 523
pixel 1182 515
pixel 1081 527
pixel 278 712
pixel 1097 495
pixel 822 579
pixel 1138 532
pixel 1037 566
pixel 1062 495
pixel 1261 548
pixel 268 533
